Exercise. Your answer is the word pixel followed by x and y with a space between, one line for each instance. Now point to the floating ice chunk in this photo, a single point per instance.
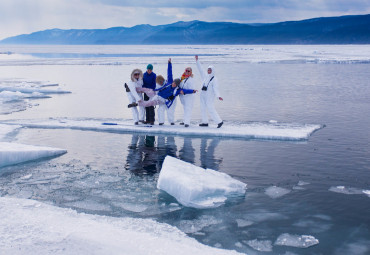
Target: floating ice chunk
pixel 14 153
pixel 346 190
pixel 367 192
pixel 243 223
pixel 275 192
pixel 194 226
pixel 302 241
pixel 31 227
pixel 30 90
pixel 196 187
pixel 260 245
pixel 302 183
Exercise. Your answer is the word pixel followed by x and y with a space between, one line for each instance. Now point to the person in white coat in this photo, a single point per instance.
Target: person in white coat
pixel 208 94
pixel 187 101
pixel 133 96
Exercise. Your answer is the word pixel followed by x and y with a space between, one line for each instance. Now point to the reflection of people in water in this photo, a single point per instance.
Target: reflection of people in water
pixel 187 152
pixel 207 154
pixel 165 146
pixel 142 155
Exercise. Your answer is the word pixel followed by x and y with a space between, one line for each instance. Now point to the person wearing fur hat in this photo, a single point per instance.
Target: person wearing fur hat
pixel 133 96
pixel 208 94
pixel 162 108
pixel 166 95
pixel 187 100
pixel 149 82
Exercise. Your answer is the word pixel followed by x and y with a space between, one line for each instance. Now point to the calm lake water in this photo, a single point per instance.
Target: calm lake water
pixel 115 174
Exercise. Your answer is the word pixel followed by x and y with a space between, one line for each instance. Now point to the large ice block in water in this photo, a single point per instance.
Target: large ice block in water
pixel 14 153
pixel 196 187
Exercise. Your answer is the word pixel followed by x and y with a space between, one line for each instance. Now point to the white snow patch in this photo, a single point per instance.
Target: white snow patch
pixel 302 241
pixel 196 187
pixel 31 227
pixel 14 153
pixel 276 192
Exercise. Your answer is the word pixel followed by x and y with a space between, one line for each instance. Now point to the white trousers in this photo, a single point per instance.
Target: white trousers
pixel 136 114
pixel 187 102
pixel 207 104
pixel 170 112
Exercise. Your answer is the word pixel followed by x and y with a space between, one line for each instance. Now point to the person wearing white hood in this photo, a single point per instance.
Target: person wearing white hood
pixel 133 96
pixel 187 100
pixel 208 94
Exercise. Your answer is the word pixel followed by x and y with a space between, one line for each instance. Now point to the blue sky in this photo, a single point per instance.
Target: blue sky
pixel 27 16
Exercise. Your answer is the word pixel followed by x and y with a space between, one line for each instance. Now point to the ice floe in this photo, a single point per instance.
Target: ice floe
pixel 196 187
pixel 243 223
pixel 349 190
pixel 15 94
pixel 194 226
pixel 251 130
pixel 31 227
pixel 260 245
pixel 14 153
pixel 299 241
pixel 276 192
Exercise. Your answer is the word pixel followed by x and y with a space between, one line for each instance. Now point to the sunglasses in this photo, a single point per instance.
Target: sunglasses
pixel 188 71
pixel 136 74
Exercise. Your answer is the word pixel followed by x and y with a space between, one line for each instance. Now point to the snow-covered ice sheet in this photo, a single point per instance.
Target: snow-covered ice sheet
pixel 31 227
pixel 251 130
pixel 6 129
pixel 197 187
pixel 14 153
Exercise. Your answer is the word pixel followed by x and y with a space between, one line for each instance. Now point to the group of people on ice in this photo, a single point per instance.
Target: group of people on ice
pixel 148 90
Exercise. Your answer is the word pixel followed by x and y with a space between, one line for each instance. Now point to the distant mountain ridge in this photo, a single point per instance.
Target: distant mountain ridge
pixel 354 29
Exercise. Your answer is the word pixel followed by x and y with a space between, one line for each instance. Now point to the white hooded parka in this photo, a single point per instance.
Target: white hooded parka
pixel 134 97
pixel 207 97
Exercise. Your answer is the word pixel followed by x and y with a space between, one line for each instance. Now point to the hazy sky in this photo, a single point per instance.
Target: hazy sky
pixel 27 16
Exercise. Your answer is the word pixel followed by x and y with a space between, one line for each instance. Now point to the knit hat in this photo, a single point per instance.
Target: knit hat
pixel 150 66
pixel 177 81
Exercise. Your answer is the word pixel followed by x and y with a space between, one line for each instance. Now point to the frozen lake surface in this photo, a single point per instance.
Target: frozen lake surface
pixel 303 197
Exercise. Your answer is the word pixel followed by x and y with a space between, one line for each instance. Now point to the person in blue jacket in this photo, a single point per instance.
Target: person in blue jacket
pixel 166 95
pixel 149 82
pixel 162 108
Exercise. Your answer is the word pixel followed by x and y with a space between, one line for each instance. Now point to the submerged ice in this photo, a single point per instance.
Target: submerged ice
pixel 196 187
